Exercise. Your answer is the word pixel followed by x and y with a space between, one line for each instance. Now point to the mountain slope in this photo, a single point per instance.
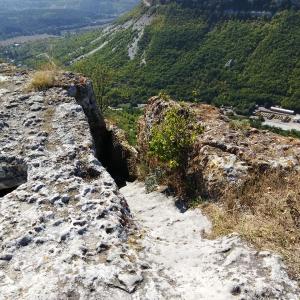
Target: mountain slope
pixel 238 53
pixel 231 61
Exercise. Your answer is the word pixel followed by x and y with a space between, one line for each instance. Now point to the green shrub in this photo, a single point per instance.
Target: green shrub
pixel 242 125
pixel 171 139
pixel 164 96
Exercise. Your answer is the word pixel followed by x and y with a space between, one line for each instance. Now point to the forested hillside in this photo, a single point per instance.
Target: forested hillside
pixel 241 55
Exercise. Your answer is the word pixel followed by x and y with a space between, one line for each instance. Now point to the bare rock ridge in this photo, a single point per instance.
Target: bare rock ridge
pixel 63 222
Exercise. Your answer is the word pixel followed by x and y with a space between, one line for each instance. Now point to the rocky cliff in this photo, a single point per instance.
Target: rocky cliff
pixel 223 156
pixel 246 180
pixel 63 222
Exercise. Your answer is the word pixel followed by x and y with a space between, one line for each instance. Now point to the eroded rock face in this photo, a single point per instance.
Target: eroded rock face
pixel 63 231
pixel 122 155
pixel 222 157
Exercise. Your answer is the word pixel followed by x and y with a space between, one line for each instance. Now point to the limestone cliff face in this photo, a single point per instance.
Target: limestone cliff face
pixel 64 225
pixel 253 8
pixel 223 157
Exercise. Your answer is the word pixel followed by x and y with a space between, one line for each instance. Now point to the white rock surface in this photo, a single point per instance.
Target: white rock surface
pixel 63 231
pixel 139 27
pixel 197 268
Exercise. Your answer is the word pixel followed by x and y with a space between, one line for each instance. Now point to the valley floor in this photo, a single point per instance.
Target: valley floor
pixel 185 265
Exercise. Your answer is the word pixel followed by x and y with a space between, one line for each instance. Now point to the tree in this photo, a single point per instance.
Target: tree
pixel 102 77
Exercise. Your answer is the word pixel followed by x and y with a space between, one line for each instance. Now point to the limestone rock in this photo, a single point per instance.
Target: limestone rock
pixel 65 204
pixel 222 157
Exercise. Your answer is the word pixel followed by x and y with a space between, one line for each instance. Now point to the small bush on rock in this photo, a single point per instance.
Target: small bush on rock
pixel 164 96
pixel 42 80
pixel 171 139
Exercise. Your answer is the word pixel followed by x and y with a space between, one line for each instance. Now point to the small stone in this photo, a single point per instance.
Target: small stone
pixel 65 199
pixel 64 236
pixel 81 231
pixel 55 199
pixel 236 290
pixel 79 222
pixel 102 247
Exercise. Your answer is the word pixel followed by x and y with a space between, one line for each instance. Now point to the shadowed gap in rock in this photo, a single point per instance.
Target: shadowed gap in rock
pixel 13 173
pixel 108 153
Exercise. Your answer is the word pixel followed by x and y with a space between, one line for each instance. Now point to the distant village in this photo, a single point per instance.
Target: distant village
pixel 279 117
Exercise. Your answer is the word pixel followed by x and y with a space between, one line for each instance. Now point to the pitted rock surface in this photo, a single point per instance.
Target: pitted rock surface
pixel 197 268
pixel 63 230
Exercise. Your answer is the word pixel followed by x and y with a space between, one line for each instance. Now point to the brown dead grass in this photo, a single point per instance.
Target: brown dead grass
pixel 265 212
pixel 45 78
pixel 42 80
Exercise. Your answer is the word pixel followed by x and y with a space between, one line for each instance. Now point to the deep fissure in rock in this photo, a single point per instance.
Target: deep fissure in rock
pixel 117 163
pixel 108 153
pixel 7 191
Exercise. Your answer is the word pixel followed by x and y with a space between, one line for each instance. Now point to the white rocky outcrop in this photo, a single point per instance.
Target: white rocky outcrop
pixel 63 230
pixel 139 28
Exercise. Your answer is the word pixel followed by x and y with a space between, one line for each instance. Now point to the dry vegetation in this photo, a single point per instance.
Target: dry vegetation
pixel 45 78
pixel 265 212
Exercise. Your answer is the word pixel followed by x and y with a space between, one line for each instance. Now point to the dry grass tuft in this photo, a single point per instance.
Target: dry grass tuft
pixel 45 78
pixel 266 212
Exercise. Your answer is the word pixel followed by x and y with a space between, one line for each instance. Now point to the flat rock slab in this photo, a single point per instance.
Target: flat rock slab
pixel 197 268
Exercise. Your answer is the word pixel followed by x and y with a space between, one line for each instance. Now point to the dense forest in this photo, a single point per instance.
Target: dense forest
pixel 234 60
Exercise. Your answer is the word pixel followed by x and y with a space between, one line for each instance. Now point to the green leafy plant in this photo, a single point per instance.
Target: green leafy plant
pixel 164 96
pixel 127 120
pixel 101 77
pixel 172 138
pixel 242 125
